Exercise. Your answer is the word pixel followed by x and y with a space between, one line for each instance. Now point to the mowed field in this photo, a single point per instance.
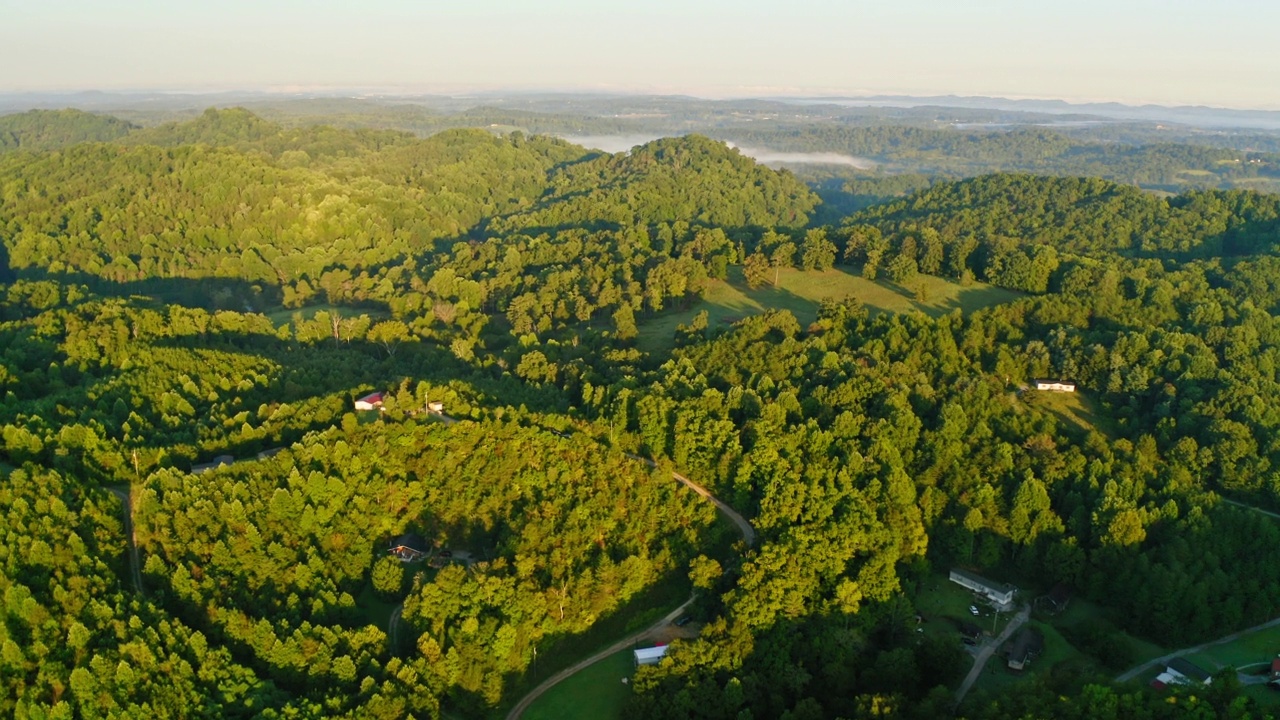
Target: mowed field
pixel 1247 652
pixel 1076 408
pixel 802 292
pixel 596 693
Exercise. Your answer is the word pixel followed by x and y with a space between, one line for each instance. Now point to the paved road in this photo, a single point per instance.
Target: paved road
pixel 1134 672
pixel 135 565
pixel 980 661
pixel 622 644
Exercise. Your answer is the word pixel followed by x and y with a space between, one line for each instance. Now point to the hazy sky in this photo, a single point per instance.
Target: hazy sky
pixel 1219 52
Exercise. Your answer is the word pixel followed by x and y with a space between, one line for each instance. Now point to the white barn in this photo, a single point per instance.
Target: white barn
pixel 372 401
pixel 650 656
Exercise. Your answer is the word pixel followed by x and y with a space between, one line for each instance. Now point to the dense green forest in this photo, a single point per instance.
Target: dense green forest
pixel 227 286
pixel 52 129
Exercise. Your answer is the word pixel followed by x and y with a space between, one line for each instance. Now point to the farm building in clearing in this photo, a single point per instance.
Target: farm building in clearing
pixel 998 593
pixel 372 401
pixel 1055 386
pixel 650 656
pixel 1185 672
pixel 408 547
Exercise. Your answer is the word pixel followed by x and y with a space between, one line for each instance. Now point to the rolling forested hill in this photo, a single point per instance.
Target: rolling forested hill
pixel 196 520
pixel 39 130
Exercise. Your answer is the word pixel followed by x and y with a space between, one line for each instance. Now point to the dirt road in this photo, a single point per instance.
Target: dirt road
pixel 618 646
pixel 393 629
pixel 135 564
pixel 744 527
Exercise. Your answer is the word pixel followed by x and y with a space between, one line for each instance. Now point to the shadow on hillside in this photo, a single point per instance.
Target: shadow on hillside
pixel 211 293
pixel 208 293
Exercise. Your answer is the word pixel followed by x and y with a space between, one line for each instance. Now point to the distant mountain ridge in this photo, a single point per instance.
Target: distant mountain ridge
pixel 1198 115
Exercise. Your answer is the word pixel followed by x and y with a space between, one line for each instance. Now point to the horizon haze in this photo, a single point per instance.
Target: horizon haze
pixel 1135 53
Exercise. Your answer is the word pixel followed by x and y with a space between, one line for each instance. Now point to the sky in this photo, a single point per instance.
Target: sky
pixel 1210 52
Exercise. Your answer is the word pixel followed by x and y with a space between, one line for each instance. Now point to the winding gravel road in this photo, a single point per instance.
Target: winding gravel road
pixel 744 527
pixel 618 646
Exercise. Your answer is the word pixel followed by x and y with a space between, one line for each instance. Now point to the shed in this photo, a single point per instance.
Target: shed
pixel 1057 599
pixel 1028 645
pixel 650 655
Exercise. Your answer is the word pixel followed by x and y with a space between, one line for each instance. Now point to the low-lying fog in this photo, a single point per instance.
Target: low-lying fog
pixel 623 143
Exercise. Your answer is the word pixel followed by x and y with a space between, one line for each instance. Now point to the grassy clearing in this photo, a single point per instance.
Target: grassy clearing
pixel 802 292
pixel 1264 695
pixel 1073 408
pixel 1256 647
pixel 646 608
pixel 596 693
pixel 1082 612
pixel 1058 655
pixel 945 606
pixel 373 609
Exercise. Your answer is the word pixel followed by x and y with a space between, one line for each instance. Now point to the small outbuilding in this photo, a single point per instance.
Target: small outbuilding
pixel 1026 647
pixel 1057 599
pixel 435 407
pixel 651 655
pixel 372 401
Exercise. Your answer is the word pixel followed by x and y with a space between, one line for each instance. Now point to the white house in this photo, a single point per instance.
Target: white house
pixel 998 593
pixel 650 656
pixel 372 401
pixel 435 407
pixel 1055 386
